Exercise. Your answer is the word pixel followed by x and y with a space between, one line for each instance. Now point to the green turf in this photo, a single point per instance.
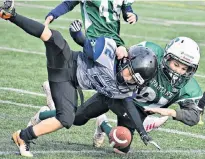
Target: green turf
pixel 28 71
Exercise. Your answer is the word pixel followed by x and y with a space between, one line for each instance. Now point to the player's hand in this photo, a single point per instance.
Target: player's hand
pixel 201 104
pixel 76 26
pixel 145 138
pixel 162 111
pixel 48 20
pixel 131 18
pixel 148 140
pixel 121 52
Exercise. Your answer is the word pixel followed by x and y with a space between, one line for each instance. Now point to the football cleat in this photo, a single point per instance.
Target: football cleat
pixel 49 99
pixel 35 119
pixel 21 144
pixel 7 10
pixel 151 122
pixel 99 135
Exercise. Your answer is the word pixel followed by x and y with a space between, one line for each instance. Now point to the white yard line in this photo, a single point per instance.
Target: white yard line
pixel 201 42
pixel 20 50
pixel 22 91
pixel 31 93
pixel 182 133
pixel 41 53
pixel 112 120
pixel 197 75
pixel 19 104
pixel 81 152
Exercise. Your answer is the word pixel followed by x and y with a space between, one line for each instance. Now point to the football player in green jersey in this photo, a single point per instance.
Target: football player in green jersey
pixel 173 83
pixel 100 18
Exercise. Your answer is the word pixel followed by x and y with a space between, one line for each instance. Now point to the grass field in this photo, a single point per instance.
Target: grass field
pixel 23 70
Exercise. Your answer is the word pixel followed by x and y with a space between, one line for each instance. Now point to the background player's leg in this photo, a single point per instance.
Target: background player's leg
pixel 92 108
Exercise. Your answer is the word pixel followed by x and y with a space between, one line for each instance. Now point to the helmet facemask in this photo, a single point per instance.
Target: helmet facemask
pixel 142 66
pixel 131 85
pixel 187 52
pixel 175 78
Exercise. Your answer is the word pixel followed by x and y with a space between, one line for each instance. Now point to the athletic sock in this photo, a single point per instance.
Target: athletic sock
pixel 28 134
pixel 47 114
pixel 106 127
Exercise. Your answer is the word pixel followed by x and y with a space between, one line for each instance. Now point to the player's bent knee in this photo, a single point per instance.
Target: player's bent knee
pixel 67 124
pixel 45 36
pixel 80 120
pixel 66 120
pixel 80 117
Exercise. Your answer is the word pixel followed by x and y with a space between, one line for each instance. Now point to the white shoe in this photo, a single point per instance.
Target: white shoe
pixel 35 119
pixel 21 144
pixel 99 135
pixel 49 99
pixel 151 122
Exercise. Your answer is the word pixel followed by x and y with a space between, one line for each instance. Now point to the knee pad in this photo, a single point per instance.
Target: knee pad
pixel 66 120
pixel 58 39
pixel 80 119
pixel 57 51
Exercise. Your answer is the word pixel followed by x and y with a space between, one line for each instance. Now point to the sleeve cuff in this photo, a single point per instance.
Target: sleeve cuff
pixel 178 115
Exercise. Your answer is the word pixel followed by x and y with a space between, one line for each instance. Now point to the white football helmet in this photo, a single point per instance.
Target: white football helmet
pixel 184 50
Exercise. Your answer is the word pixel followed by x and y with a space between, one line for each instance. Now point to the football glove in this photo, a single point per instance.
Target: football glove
pixel 76 26
pixel 201 120
pixel 201 105
pixel 148 140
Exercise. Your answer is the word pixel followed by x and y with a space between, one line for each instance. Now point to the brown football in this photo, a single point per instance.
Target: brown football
pixel 120 137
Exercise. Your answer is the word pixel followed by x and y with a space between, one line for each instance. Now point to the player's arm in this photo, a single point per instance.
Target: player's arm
pixel 190 95
pixel 101 50
pixel 189 113
pixel 162 111
pixel 61 9
pixel 128 13
pixel 135 112
pixel 95 48
pixel 76 33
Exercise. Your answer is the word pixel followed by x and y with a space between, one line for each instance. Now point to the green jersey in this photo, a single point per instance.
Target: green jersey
pixel 102 18
pixel 160 92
